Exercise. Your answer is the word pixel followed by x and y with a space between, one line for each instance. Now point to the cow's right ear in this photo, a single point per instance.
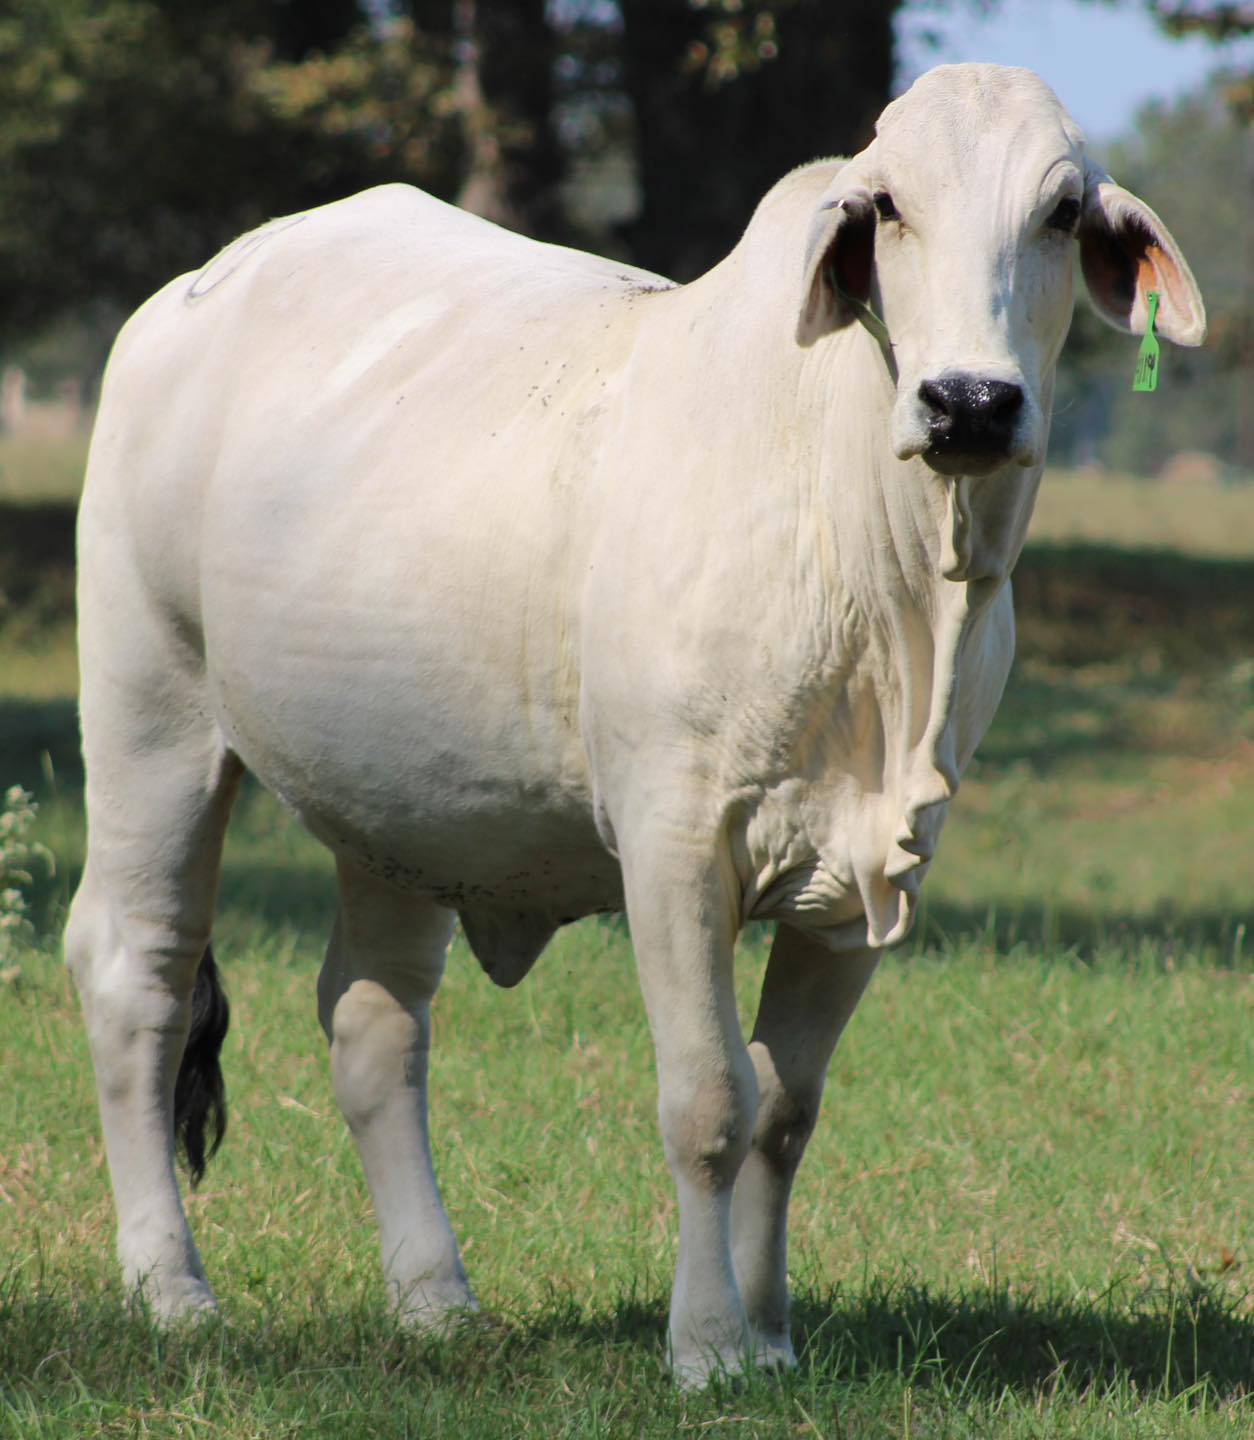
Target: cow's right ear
pixel 840 255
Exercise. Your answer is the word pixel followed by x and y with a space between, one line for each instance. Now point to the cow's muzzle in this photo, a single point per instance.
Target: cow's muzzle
pixel 972 422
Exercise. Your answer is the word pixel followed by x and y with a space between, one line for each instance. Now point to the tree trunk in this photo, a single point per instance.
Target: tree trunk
pixel 710 143
pixel 505 91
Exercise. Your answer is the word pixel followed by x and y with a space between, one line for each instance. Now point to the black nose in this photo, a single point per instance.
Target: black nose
pixel 971 415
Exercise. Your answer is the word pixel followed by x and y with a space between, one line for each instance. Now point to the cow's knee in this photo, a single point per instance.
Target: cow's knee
pixel 707 1125
pixel 130 969
pixel 86 934
pixel 91 940
pixel 377 1048
pixel 382 969
pixel 786 1117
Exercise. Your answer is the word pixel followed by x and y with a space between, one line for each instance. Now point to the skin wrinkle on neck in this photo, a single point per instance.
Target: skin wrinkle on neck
pixel 896 655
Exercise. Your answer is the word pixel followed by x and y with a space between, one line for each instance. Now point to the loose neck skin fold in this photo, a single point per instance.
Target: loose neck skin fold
pixel 890 576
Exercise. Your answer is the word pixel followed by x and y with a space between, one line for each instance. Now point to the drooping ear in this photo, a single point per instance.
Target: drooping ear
pixel 840 253
pixel 1126 251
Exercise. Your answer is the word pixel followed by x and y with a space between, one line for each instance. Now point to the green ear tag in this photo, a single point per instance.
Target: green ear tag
pixel 1146 377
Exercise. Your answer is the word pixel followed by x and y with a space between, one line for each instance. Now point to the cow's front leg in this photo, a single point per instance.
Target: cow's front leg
pixel 807 996
pixel 683 924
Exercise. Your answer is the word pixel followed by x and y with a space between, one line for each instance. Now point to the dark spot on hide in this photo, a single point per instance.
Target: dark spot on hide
pixel 644 287
pixel 389 868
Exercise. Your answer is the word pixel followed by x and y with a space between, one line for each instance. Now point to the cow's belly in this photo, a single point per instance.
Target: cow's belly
pixel 389 636
pixel 454 806
pixel 443 756
pixel 553 865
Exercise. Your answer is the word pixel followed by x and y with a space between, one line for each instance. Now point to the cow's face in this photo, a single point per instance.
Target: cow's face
pixel 957 226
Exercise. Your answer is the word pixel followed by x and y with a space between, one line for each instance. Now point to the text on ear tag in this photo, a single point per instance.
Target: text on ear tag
pixel 1146 377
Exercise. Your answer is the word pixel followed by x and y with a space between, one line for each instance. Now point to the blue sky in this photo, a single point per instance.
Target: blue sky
pixel 1102 62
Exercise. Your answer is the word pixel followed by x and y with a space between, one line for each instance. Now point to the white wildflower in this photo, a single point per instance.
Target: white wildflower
pixel 17 853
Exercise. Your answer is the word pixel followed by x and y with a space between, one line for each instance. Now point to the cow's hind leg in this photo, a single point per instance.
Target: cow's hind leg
pixel 808 995
pixel 136 944
pixel 382 969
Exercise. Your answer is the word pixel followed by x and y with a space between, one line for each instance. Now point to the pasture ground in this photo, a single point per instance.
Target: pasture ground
pixel 1026 1211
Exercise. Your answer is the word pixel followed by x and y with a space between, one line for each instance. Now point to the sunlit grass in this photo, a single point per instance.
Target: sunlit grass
pixel 42 469
pixel 1203 519
pixel 1030 1183
pixel 41 668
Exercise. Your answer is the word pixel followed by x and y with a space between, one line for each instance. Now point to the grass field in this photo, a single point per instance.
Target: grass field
pixel 41 470
pixel 1026 1211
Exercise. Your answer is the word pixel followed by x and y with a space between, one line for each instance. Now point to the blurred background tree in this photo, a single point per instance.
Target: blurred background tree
pixel 1197 153
pixel 138 136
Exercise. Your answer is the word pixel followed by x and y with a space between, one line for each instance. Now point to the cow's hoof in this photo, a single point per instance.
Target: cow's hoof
pixel 775 1352
pixel 696 1366
pixel 438 1311
pixel 698 1369
pixel 176 1300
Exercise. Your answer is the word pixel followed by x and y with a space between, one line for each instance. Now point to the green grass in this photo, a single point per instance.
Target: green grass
pixel 1018 1217
pixel 41 469
pixel 1025 1213
pixel 1096 508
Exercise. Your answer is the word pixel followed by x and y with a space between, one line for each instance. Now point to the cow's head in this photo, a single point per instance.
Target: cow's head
pixel 956 226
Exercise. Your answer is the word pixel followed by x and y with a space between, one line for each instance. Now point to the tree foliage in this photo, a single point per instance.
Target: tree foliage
pixel 1216 22
pixel 729 96
pixel 138 136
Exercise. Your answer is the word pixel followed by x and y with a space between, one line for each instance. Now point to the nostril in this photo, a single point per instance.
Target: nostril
pixel 999 399
pixel 937 396
pixel 973 396
pixel 971 414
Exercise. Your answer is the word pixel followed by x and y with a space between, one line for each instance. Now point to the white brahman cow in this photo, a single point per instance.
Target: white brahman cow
pixel 537 586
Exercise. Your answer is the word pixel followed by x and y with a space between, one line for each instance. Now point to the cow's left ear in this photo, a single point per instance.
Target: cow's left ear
pixel 840 254
pixel 1126 251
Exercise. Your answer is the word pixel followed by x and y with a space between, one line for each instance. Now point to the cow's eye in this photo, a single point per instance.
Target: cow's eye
pixel 884 206
pixel 1065 215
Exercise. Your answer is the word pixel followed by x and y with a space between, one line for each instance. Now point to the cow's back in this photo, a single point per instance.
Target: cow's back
pixel 349 461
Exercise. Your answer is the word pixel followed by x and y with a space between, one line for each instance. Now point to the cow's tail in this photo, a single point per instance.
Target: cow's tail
pixel 199 1094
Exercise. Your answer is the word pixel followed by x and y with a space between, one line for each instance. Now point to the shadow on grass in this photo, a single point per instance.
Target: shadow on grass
pixel 1090 934
pixel 980 1343
pixel 1084 603
pixel 1048 721
pixel 36 566
pixel 301 898
pixel 297 895
pixel 36 735
pixel 991 1340
pixel 968 1346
